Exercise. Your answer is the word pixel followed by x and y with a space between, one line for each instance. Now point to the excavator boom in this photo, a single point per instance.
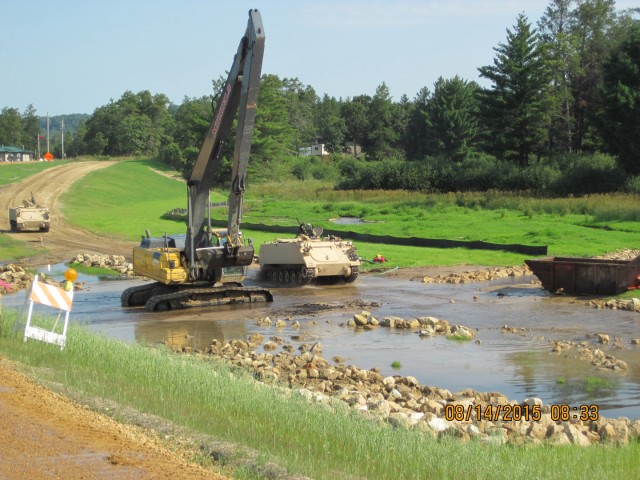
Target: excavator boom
pixel 239 94
pixel 200 268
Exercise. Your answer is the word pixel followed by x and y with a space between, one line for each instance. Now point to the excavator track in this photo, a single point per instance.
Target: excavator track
pixel 139 295
pixel 209 296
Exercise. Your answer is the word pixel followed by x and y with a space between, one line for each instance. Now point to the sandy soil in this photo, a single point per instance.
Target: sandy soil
pixel 45 436
pixel 42 434
pixel 63 241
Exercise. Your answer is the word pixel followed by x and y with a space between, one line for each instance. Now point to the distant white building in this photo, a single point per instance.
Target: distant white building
pixel 15 154
pixel 315 150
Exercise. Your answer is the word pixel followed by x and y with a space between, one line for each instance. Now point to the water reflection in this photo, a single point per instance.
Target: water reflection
pixel 518 366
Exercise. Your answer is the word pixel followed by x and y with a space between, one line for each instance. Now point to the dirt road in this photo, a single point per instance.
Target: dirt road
pixel 45 436
pixel 42 434
pixel 63 241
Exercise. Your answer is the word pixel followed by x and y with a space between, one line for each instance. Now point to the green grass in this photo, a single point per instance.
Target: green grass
pixel 629 294
pixel 565 225
pixel 128 197
pixel 96 271
pixel 18 171
pixel 134 198
pixel 459 338
pixel 594 384
pixel 14 249
pixel 323 442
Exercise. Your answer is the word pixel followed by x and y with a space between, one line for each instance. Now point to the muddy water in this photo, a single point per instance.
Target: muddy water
pixel 518 366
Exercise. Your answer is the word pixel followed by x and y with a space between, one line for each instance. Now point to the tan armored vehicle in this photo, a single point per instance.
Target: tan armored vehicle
pixel 29 216
pixel 309 257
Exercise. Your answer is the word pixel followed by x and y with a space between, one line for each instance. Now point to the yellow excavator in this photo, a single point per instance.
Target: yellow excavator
pixel 207 266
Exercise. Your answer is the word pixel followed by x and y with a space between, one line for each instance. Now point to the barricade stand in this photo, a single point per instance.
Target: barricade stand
pixel 54 297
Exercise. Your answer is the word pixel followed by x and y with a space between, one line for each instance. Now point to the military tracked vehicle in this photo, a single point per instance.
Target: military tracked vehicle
pixel 29 216
pixel 309 257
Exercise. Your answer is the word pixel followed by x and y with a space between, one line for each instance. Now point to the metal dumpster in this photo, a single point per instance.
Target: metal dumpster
pixel 586 276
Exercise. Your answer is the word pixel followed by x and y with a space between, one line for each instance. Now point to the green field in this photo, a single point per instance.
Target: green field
pixel 14 249
pixel 136 197
pixel 129 197
pixel 16 172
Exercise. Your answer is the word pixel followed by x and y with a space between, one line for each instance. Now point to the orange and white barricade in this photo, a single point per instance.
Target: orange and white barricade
pixel 53 297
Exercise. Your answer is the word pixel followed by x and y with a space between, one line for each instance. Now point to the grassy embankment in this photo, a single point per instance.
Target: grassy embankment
pixel 208 397
pixel 137 198
pixel 18 171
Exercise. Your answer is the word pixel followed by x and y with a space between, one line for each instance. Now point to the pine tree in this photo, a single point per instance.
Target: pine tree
pixel 453 117
pixel 273 135
pixel 620 118
pixel 563 59
pixel 417 142
pixel 591 24
pixel 331 126
pixel 382 136
pixel 516 107
pixel 355 114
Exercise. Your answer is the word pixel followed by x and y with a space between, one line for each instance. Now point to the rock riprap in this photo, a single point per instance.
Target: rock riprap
pixel 480 275
pixel 425 326
pixel 14 278
pixel 113 262
pixel 401 400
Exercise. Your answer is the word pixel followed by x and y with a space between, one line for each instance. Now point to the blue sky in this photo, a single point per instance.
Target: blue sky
pixel 73 56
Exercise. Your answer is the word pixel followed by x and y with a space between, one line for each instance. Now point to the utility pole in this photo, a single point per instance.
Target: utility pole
pixel 62 130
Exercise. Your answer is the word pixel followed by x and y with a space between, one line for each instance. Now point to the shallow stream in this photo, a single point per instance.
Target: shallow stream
pixel 515 365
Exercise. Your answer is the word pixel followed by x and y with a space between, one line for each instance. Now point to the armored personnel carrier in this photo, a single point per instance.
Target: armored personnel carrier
pixel 29 216
pixel 309 257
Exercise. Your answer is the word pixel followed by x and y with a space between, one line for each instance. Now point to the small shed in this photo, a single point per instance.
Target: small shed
pixel 315 150
pixel 15 154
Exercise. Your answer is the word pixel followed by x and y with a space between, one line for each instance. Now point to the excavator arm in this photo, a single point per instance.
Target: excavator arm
pixel 239 94
pixel 203 271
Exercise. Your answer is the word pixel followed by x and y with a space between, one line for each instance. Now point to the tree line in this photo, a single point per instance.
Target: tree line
pixel 562 104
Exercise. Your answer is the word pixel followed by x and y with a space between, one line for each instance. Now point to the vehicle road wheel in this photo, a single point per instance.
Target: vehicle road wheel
pixel 286 277
pixel 281 277
pixel 274 276
pixel 351 278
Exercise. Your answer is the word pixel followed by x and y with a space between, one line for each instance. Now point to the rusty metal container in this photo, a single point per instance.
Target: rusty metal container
pixel 585 276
